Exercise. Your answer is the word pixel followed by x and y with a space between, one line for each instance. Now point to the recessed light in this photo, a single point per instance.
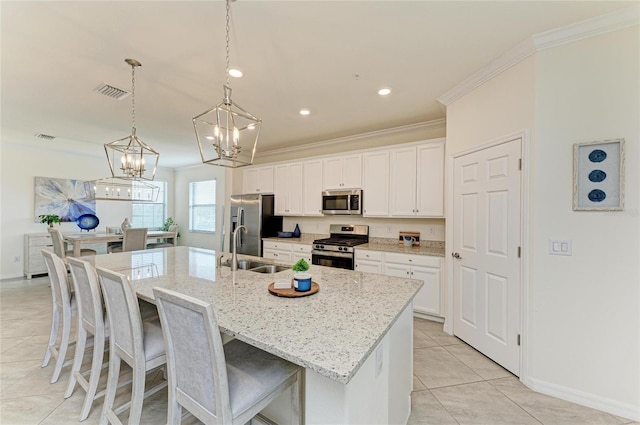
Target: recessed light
pixel 385 91
pixel 304 112
pixel 235 73
pixel 209 137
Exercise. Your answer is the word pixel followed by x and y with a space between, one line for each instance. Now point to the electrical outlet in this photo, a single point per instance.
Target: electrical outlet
pixel 431 230
pixel 389 229
pixel 16 259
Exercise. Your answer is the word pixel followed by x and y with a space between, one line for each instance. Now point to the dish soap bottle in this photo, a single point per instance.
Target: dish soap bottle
pixel 296 231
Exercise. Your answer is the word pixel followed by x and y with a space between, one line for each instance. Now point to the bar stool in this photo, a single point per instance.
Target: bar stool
pixel 218 384
pixel 137 343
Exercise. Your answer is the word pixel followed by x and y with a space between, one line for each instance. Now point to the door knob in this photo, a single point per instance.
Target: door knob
pixel 456 255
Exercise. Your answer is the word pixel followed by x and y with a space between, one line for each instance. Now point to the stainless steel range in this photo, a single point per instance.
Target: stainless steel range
pixel 337 250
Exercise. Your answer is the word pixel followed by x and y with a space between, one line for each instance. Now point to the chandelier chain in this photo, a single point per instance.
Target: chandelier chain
pixel 133 97
pixel 227 40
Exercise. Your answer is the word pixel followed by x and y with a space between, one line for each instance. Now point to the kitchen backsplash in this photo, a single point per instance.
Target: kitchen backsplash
pixel 379 228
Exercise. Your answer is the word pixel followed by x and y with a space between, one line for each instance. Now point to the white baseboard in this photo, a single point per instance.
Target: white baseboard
pixel 585 399
pixel 12 276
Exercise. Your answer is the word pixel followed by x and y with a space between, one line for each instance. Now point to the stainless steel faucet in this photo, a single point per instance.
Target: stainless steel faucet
pixel 234 254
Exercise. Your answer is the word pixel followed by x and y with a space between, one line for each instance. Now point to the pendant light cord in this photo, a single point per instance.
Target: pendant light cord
pixel 133 99
pixel 227 39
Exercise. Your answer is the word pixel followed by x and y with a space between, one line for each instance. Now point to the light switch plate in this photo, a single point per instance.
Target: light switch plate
pixel 560 247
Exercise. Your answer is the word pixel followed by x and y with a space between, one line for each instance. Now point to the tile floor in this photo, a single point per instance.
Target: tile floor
pixel 453 383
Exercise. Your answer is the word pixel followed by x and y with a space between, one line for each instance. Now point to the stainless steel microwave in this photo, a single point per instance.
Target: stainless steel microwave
pixel 342 202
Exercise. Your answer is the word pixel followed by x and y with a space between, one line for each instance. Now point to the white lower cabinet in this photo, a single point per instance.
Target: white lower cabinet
pixel 421 267
pixel 34 243
pixel 368 261
pixel 299 251
pixel 277 251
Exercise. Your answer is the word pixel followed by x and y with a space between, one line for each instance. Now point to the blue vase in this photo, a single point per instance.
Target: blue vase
pixel 296 231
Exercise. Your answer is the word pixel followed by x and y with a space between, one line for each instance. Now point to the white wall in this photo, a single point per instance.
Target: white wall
pixel 587 306
pixel 185 175
pixel 583 337
pixel 20 165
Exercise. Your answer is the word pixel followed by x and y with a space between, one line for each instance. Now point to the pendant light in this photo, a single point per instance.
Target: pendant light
pixel 227 135
pixel 131 162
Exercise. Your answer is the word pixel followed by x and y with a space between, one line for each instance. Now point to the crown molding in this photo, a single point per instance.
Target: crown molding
pixel 427 125
pixel 620 19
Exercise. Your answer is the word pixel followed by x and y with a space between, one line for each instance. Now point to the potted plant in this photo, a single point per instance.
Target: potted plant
pixel 301 278
pixel 49 219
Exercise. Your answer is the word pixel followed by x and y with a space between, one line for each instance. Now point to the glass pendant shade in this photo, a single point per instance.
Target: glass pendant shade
pixel 118 189
pixel 227 135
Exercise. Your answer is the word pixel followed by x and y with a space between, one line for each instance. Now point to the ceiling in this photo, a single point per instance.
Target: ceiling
pixel 328 56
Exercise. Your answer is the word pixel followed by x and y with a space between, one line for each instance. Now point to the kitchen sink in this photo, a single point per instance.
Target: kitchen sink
pixel 257 266
pixel 269 268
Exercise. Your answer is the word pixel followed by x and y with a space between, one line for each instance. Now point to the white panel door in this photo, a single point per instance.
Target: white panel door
pixel 486 263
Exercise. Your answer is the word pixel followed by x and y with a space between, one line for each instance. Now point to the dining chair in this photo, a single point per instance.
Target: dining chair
pixel 218 384
pixel 90 323
pixel 169 241
pixel 60 246
pixel 139 344
pixel 134 239
pixel 64 308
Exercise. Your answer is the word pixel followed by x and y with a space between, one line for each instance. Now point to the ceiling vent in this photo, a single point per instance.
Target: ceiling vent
pixel 112 91
pixel 45 136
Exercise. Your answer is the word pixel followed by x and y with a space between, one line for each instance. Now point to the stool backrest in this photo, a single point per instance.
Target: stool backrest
pixel 124 315
pixel 58 277
pixel 87 289
pixel 195 355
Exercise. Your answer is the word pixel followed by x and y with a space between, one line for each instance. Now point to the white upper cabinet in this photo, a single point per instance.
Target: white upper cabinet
pixel 376 184
pixel 342 172
pixel 288 189
pixel 312 191
pixel 258 179
pixel 430 180
pixel 417 181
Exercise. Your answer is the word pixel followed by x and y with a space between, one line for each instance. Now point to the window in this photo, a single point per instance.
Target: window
pixel 150 214
pixel 202 206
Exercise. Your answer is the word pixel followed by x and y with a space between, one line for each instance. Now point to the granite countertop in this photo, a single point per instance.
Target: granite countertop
pixel 424 249
pixel 331 332
pixel 305 238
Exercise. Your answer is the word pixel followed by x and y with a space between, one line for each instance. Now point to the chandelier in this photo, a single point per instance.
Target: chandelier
pixel 131 154
pixel 227 135
pixel 129 159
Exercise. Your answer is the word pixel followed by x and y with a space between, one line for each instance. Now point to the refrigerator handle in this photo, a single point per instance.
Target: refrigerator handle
pixel 240 223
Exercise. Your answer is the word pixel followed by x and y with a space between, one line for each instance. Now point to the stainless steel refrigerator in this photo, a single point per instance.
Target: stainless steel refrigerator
pixel 256 213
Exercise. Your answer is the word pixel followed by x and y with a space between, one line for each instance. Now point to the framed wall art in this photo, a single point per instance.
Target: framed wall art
pixel 598 176
pixel 64 197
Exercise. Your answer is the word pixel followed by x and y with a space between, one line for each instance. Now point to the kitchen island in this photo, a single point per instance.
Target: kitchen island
pixel 354 337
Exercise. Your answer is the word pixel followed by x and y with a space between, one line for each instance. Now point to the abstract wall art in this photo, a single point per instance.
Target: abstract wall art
pixel 598 176
pixel 63 197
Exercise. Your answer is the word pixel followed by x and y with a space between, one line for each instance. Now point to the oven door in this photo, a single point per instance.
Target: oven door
pixel 332 259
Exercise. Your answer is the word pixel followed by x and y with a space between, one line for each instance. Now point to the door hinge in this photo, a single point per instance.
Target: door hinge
pixel 519 163
pixel 518 340
pixel 519 252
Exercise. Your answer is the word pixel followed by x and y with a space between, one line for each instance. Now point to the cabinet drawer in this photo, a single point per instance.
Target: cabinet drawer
pixel 276 254
pixel 408 259
pixel 363 254
pixel 299 248
pixel 277 245
pixel 36 241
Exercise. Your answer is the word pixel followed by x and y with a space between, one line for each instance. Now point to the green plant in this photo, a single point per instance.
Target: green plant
pixel 300 266
pixel 49 219
pixel 168 222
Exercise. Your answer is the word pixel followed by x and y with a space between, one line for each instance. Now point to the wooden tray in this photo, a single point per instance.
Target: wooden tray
pixel 291 292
